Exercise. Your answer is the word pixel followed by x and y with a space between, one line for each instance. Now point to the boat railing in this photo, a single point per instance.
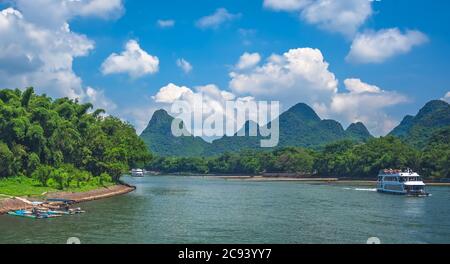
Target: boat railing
pixel 395 171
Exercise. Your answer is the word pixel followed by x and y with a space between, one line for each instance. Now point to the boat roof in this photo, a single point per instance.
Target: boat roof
pixel 56 200
pixel 401 173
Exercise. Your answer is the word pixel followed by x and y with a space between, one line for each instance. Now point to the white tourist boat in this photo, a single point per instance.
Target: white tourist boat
pixel 404 182
pixel 137 172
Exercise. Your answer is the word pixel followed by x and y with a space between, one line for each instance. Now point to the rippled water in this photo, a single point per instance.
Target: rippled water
pixel 204 210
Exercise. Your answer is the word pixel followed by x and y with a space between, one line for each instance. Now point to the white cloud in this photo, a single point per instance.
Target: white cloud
pixel 171 93
pixel 286 5
pixel 33 55
pixel 37 47
pixel 99 99
pixel 99 8
pixel 133 61
pixel 345 17
pixel 215 20
pixel 447 97
pixel 303 75
pixel 184 65
pixel 377 47
pixel 208 97
pixel 166 23
pixel 365 103
pixel 338 16
pixel 53 14
pixel 297 75
pixel 248 60
pixel 356 86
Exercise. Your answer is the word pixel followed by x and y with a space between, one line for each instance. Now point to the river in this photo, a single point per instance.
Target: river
pixel 206 210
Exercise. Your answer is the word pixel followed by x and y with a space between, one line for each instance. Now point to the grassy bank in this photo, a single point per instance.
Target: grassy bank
pixel 27 187
pixel 2 197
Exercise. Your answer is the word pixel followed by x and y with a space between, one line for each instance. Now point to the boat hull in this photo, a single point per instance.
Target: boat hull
pixel 409 194
pixel 391 192
pixel 31 216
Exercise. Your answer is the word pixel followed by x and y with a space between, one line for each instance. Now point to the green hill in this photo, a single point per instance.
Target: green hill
pixel 417 130
pixel 300 126
pixel 358 131
pixel 158 137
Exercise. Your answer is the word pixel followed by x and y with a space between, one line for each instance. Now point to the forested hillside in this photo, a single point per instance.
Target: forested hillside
pixel 299 126
pixel 158 137
pixel 340 159
pixel 61 141
pixel 417 130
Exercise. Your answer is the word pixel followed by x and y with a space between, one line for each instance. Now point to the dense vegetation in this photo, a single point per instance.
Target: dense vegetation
pixel 300 126
pixel 341 159
pixel 158 137
pixel 420 142
pixel 60 143
pixel 417 130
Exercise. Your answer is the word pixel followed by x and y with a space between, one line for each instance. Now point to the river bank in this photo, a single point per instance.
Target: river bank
pixel 13 204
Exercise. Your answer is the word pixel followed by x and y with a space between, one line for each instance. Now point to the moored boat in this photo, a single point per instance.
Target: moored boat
pixel 28 214
pixel 60 212
pixel 137 172
pixel 403 182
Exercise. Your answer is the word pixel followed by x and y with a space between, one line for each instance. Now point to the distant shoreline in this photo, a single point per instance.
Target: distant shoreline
pixel 316 180
pixel 281 178
pixel 13 204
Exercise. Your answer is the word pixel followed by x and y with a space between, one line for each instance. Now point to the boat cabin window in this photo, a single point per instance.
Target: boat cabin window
pixel 414 179
pixel 416 188
pixel 391 178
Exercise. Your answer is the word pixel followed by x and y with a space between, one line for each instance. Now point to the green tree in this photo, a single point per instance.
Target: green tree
pixel 43 174
pixel 104 178
pixel 6 160
pixel 26 97
pixel 33 163
pixel 61 177
pixel 36 131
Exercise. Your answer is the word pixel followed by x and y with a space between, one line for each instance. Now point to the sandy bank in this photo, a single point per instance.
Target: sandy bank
pixel 13 204
pixel 93 195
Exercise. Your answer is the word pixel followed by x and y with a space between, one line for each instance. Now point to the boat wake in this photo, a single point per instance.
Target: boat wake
pixel 362 189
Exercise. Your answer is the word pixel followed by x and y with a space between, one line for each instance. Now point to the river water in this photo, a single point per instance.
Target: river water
pixel 205 210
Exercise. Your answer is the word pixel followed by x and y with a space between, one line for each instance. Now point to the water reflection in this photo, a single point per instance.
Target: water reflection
pixel 414 207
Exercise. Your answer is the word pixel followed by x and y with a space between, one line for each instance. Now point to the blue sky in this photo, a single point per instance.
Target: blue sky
pixel 377 87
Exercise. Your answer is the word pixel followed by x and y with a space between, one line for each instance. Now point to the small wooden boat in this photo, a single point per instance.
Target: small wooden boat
pixel 69 212
pixel 27 214
pixel 22 215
